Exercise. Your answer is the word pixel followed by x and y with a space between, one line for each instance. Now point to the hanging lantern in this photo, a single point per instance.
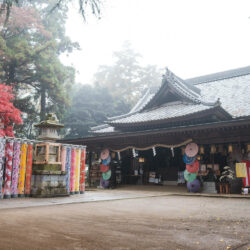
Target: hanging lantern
pixel 202 151
pixel 213 149
pixel 221 148
pixel 230 148
pixel 183 150
pixel 141 159
pixel 113 155
pixel 243 150
pixel 96 156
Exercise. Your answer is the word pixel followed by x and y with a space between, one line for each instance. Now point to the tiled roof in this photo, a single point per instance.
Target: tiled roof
pixel 169 111
pixel 231 87
pixel 234 94
pixel 219 76
pixel 106 129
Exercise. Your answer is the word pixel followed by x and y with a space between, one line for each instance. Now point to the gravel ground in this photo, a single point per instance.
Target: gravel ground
pixel 170 222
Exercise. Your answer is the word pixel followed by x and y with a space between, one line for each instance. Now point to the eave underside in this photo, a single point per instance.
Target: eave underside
pixel 217 132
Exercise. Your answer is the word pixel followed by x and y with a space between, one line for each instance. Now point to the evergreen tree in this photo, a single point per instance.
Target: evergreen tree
pixel 30 45
pixel 91 106
pixel 126 78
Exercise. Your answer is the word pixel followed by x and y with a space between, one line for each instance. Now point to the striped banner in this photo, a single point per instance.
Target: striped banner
pixel 15 169
pixel 77 171
pixel 8 169
pixel 63 158
pixel 67 166
pixel 21 179
pixel 72 171
pixel 82 171
pixel 27 190
pixel 2 154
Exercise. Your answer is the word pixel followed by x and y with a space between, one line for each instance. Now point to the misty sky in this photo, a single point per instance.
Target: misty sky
pixel 191 37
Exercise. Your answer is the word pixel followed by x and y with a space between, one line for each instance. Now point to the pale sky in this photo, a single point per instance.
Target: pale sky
pixel 191 37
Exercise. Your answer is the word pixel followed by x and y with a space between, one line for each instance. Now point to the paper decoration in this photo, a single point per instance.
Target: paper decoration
pixel 106 176
pixel 154 151
pixel 188 160
pixel 193 168
pixel 241 170
pixel 104 154
pixel 189 176
pixel 191 149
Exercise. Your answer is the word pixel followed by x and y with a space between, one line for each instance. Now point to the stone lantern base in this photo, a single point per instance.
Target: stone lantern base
pixel 48 181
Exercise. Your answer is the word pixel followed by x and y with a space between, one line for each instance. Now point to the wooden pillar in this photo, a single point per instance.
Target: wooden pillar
pixel 90 165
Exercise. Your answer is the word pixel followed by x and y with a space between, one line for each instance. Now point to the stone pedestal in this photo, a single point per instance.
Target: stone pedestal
pixel 48 185
pixel 48 181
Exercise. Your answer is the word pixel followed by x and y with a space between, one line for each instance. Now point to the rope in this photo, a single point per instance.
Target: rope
pixel 154 145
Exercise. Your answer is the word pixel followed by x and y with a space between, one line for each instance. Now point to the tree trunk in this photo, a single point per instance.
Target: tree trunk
pixel 43 104
pixel 11 73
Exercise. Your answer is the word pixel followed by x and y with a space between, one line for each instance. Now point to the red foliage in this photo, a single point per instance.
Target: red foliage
pixel 9 115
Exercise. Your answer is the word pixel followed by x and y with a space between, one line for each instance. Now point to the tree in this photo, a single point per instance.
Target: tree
pixel 30 45
pixel 91 105
pixel 126 78
pixel 94 5
pixel 9 115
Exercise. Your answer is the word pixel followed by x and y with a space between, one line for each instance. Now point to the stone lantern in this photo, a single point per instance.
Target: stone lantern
pixel 49 128
pixel 47 176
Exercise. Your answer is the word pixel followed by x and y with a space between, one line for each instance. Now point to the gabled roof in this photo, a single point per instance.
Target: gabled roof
pixel 219 76
pixel 180 99
pixel 170 112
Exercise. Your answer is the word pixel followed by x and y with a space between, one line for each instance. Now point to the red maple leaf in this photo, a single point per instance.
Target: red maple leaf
pixel 9 115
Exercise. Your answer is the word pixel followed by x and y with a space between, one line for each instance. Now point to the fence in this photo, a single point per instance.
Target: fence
pixel 16 158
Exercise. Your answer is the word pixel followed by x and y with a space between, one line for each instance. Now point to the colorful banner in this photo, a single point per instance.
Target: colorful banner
pixel 15 169
pixel 2 154
pixel 28 170
pixel 72 171
pixel 68 166
pixel 77 171
pixel 21 179
pixel 8 169
pixel 82 172
pixel 63 158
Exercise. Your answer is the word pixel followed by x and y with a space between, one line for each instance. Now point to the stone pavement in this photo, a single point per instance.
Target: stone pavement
pixel 96 195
